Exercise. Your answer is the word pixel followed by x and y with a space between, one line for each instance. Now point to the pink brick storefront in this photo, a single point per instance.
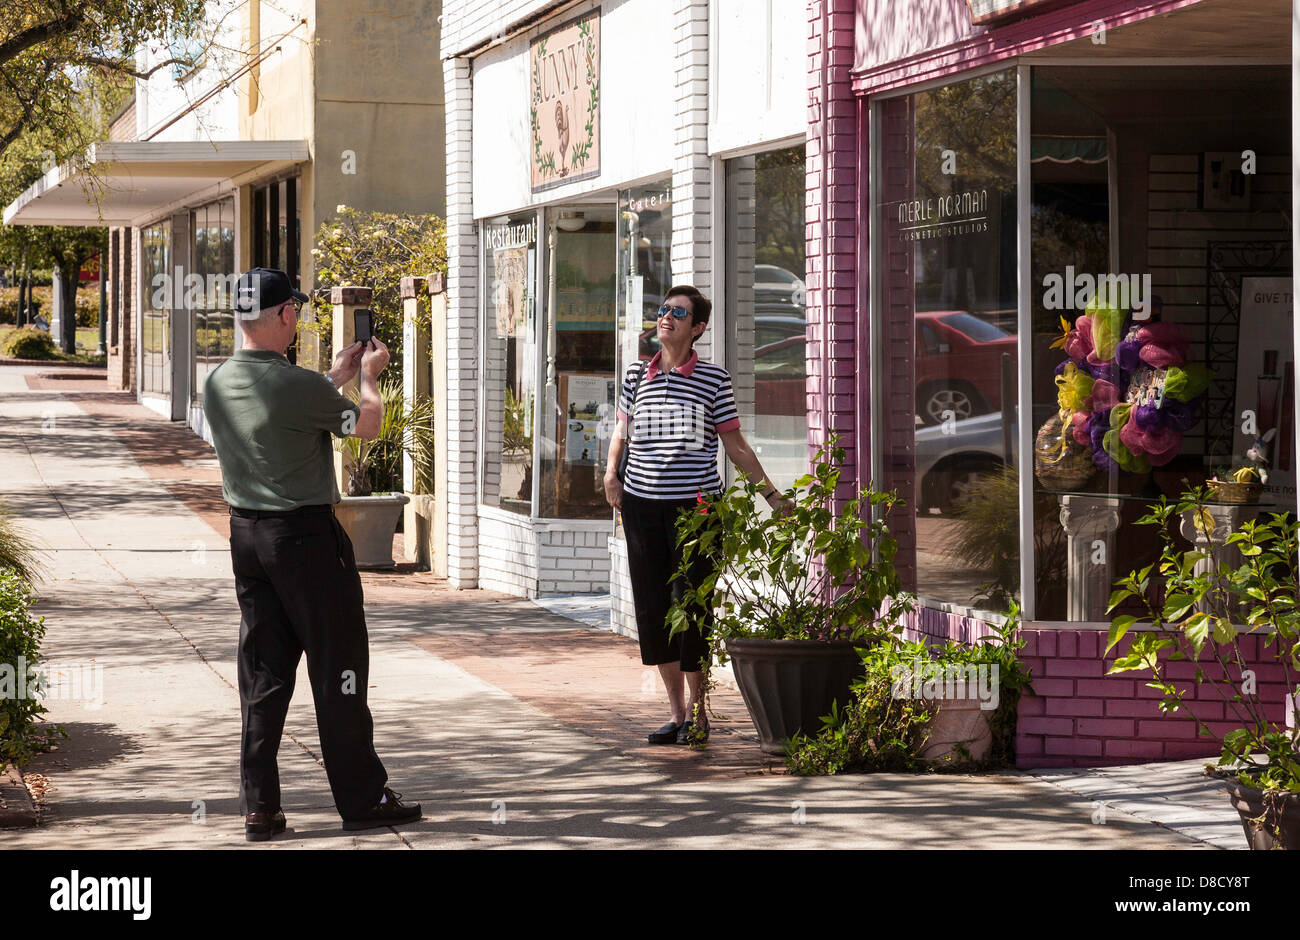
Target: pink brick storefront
pixel 963 158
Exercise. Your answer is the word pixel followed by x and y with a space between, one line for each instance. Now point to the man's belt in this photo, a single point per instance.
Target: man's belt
pixel 279 513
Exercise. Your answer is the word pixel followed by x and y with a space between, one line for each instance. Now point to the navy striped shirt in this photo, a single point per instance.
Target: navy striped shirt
pixel 676 422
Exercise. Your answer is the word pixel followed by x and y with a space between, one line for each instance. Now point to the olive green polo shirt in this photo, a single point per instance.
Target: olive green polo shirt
pixel 271 424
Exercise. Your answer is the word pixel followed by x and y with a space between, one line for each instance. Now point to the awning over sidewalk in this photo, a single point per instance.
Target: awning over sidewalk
pixel 122 181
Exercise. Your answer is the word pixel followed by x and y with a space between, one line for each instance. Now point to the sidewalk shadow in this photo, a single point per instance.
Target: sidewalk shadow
pixel 89 744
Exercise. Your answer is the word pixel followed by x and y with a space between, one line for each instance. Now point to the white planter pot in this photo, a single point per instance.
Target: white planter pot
pixel 370 522
pixel 959 721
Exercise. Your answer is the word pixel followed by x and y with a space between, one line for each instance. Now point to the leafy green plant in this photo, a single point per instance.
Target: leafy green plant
pixel 375 464
pixel 515 438
pixel 1208 605
pixel 29 343
pixel 882 730
pixel 21 733
pixel 375 250
pixel 804 573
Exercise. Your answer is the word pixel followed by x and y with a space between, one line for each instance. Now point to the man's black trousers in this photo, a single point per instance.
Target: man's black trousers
pixel 299 591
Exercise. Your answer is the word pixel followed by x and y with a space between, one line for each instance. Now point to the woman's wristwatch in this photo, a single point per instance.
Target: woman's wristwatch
pixel 768 495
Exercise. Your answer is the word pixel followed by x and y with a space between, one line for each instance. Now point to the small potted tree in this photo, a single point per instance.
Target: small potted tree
pixel 1210 602
pixel 799 593
pixel 370 517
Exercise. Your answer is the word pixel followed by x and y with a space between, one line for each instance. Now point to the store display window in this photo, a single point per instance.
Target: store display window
pixel 510 360
pixel 1161 268
pixel 766 303
pixel 947 328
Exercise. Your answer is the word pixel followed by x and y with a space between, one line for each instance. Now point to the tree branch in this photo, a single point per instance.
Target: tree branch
pixel 127 68
pixel 35 35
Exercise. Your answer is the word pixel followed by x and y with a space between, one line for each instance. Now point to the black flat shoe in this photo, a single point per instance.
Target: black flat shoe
pixel 667 734
pixel 690 733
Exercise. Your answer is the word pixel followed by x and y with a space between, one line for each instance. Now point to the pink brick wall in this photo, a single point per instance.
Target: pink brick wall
pixel 1081 716
pixel 833 229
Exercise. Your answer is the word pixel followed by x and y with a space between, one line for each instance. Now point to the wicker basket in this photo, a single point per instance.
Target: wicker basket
pixel 1229 491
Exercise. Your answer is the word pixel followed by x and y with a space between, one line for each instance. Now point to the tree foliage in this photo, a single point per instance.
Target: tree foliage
pixel 375 250
pixel 49 47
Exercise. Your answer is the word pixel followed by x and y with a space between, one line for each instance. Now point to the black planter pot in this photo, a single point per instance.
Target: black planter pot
pixel 788 685
pixel 1280 813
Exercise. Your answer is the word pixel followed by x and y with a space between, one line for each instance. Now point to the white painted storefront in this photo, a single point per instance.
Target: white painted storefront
pixel 547 289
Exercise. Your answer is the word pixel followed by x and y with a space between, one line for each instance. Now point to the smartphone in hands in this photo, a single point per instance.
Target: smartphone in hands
pixel 362 326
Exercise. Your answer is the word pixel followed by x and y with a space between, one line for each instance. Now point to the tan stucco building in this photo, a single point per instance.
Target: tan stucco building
pixel 296 108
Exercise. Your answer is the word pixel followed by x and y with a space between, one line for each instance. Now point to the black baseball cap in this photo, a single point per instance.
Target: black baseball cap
pixel 263 288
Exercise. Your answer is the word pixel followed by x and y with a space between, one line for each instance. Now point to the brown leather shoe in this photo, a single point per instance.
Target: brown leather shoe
pixel 259 827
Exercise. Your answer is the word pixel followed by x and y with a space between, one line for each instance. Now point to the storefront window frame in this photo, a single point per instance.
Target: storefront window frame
pixel 536 315
pixel 870 259
pixel 1024 338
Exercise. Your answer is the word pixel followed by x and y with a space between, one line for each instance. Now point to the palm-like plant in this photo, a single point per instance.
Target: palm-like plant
pixel 16 549
pixel 405 427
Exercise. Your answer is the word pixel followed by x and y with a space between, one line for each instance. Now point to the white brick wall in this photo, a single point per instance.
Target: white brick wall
pixel 519 556
pixel 463 549
pixel 692 168
pixel 507 556
pixel 622 614
pixel 469 23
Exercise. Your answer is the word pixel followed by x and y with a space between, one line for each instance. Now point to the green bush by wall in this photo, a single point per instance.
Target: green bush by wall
pixel 28 343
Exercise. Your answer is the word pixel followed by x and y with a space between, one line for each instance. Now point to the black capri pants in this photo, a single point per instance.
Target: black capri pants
pixel 650 526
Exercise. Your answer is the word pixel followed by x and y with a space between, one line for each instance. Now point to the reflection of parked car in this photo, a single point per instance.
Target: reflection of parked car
pixel 949 464
pixel 959 365
pixel 773 283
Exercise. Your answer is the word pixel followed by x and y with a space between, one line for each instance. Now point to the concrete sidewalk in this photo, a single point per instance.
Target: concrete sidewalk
pixel 514 726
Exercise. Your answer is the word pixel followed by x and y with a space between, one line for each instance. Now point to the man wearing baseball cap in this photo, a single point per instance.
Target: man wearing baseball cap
pixel 295 574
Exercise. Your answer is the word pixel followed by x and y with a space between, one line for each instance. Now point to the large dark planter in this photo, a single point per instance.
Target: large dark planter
pixel 788 685
pixel 1279 813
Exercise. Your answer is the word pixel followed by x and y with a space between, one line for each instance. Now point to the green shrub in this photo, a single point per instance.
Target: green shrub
pixel 21 731
pixel 29 343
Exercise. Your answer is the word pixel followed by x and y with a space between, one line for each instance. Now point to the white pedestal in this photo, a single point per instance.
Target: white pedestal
pixel 1089 523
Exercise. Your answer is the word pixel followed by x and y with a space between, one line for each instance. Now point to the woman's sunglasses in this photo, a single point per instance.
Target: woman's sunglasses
pixel 679 313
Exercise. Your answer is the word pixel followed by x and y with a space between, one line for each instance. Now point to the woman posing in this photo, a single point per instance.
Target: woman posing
pixel 680 409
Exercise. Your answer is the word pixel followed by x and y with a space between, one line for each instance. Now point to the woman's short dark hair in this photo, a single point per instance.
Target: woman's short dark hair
pixel 700 305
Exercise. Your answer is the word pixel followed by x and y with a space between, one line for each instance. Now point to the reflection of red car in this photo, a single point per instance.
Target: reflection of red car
pixel 959 365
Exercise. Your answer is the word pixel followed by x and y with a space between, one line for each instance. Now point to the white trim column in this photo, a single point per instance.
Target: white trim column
pixel 461 331
pixel 692 251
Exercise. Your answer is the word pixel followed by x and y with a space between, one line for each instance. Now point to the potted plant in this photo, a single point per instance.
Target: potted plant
pixel 923 706
pixel 1209 603
pixel 799 593
pixel 370 518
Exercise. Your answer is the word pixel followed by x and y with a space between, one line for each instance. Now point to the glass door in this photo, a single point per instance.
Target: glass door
pixel 579 361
